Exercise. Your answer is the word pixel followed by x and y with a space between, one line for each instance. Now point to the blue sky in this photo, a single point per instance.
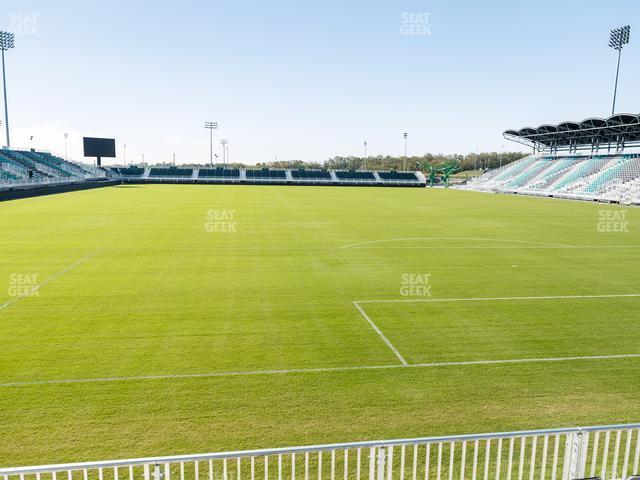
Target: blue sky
pixel 309 79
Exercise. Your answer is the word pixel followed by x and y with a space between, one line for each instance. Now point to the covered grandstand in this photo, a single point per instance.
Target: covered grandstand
pixel 593 164
pixel 616 132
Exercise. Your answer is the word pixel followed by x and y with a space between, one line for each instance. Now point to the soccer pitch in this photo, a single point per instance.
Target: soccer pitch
pixel 165 319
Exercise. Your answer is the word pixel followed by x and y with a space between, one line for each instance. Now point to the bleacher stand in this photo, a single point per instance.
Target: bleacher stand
pixel 355 175
pixel 299 176
pixel 31 167
pixel 219 173
pixel 609 177
pixel 171 172
pixel 132 171
pixel 266 174
pixel 303 174
pixel 398 176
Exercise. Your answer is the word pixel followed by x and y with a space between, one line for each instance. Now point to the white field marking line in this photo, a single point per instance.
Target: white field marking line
pixel 316 370
pixel 51 278
pixel 504 247
pixel 379 332
pixel 491 299
pixel 406 239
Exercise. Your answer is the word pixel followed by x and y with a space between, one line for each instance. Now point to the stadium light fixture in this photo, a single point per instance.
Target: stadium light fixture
pixel 211 126
pixel 6 43
pixel 404 163
pixel 224 144
pixel 364 163
pixel 617 39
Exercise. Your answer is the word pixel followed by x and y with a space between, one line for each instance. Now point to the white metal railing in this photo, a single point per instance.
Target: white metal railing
pixel 31 182
pixel 610 452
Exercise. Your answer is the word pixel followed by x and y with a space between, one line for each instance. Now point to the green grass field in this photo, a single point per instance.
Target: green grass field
pixel 250 337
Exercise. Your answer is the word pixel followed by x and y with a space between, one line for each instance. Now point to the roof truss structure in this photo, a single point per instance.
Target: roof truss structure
pixel 618 131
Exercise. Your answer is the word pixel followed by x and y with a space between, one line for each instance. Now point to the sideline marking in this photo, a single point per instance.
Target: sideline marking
pixel 490 299
pixel 405 239
pixel 379 332
pixel 315 370
pixel 51 278
pixel 504 247
pixel 358 367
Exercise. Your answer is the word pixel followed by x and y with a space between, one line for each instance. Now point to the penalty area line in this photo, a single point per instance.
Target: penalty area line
pixel 316 370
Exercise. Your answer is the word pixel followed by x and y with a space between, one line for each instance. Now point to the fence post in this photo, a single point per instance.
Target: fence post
pixel 381 462
pixel 574 463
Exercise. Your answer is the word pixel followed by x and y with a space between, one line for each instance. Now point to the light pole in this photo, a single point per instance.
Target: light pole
pixel 6 43
pixel 211 126
pixel 124 154
pixel 364 163
pixel 404 163
pixel 619 37
pixel 224 143
pixel 66 135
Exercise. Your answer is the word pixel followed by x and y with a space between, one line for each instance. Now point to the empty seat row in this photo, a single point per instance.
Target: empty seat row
pixel 171 172
pixel 129 171
pixel 397 176
pixel 354 175
pixel 266 173
pixel 302 174
pixel 219 173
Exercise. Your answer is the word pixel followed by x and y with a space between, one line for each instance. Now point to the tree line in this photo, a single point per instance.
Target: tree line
pixel 471 161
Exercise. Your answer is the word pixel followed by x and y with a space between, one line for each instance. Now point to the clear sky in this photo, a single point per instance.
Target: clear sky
pixel 309 79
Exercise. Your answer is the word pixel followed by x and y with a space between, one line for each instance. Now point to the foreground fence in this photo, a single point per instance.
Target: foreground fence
pixel 608 452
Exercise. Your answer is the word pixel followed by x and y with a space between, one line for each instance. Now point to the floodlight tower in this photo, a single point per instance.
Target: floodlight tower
pixel 224 144
pixel 364 163
pixel 211 126
pixel 6 43
pixel 404 164
pixel 618 38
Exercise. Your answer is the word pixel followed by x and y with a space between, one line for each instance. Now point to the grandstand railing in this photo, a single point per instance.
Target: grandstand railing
pixel 610 452
pixel 31 182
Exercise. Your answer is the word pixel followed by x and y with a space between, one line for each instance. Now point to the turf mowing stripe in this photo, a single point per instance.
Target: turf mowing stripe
pixel 490 299
pixel 51 278
pixel 317 370
pixel 379 332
